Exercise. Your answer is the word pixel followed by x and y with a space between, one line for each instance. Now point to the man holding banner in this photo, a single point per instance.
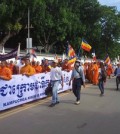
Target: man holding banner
pixel 27 70
pixel 5 72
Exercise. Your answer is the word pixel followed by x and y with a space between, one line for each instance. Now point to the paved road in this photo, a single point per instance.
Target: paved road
pixel 95 114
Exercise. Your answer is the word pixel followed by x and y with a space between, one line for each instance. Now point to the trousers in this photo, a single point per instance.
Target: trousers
pixel 55 85
pixel 101 86
pixel 76 87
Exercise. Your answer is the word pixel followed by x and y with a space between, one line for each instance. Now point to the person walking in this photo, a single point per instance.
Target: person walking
pixel 102 78
pixel 56 78
pixel 78 79
pixel 117 74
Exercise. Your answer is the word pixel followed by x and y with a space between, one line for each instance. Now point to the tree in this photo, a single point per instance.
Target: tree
pixel 13 17
pixel 110 25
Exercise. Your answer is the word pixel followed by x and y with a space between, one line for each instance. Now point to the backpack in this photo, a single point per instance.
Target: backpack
pixel 103 75
pixel 48 90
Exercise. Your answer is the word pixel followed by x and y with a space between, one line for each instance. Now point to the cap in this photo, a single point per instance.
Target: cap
pixel 55 61
pixel 78 60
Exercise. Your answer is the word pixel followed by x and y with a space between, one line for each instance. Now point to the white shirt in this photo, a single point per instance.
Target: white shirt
pixel 55 73
pixel 19 65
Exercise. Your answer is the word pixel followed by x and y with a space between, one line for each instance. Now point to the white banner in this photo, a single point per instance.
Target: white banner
pixel 22 89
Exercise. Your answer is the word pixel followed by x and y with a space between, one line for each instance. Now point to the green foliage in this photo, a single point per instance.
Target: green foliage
pixel 57 21
pixel 17 27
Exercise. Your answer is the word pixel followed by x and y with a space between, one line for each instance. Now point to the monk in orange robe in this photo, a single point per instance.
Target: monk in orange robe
pixel 95 73
pixel 11 66
pixel 91 73
pixel 88 71
pixel 45 66
pixel 109 70
pixel 38 68
pixel 5 72
pixel 85 69
pixel 66 66
pixel 33 64
pixel 27 70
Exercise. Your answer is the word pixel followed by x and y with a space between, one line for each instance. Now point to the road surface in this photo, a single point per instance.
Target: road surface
pixel 94 115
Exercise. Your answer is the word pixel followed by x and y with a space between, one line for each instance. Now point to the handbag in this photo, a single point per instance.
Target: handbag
pixel 48 90
pixel 81 80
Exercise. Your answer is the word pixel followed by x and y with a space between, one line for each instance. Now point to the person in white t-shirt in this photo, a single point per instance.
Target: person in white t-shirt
pixel 20 64
pixel 56 78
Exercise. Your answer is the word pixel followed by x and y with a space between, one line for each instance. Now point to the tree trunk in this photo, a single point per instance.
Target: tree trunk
pixel 5 39
pixel 48 46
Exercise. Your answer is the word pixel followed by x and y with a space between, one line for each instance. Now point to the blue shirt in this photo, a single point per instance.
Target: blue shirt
pixel 118 71
pixel 77 75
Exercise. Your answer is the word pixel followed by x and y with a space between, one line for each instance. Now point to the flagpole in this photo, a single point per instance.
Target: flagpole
pixel 67 49
pixel 18 52
pixel 3 50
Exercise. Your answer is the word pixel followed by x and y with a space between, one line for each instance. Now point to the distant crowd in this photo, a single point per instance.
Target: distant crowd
pixel 28 68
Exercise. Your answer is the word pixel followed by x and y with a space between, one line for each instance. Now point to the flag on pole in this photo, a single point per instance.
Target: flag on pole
pixel 85 46
pixel 56 57
pixel 71 52
pixel 3 50
pixel 71 55
pixel 63 56
pixel 107 59
pixel 79 54
pixel 32 54
pixel 18 52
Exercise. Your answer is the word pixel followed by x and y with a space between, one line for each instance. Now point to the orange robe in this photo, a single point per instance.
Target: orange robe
pixel 38 69
pixel 46 69
pixel 28 70
pixel 66 67
pixel 85 70
pixel 91 73
pixel 5 73
pixel 109 70
pixel 95 74
pixel 88 72
pixel 11 66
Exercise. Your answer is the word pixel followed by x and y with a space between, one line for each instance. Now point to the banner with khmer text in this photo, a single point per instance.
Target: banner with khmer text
pixel 22 89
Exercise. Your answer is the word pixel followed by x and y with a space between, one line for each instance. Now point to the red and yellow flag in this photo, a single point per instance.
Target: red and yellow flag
pixel 71 52
pixel 85 46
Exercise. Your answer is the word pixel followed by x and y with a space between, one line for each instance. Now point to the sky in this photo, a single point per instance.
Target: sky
pixel 111 3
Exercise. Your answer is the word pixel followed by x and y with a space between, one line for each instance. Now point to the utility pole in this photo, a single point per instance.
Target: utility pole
pixel 28 31
pixel 29 40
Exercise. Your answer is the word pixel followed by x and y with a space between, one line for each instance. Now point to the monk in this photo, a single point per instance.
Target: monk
pixel 85 69
pixel 33 63
pixel 66 66
pixel 38 67
pixel 95 70
pixel 11 66
pixel 109 70
pixel 45 66
pixel 88 72
pixel 27 69
pixel 5 72
pixel 91 72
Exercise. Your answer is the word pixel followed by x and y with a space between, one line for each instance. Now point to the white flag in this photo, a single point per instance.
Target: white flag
pixel 3 50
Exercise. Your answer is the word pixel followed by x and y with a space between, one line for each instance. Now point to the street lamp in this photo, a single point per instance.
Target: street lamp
pixel 29 40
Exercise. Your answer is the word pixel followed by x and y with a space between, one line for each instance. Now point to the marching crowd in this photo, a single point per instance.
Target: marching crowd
pixel 95 72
